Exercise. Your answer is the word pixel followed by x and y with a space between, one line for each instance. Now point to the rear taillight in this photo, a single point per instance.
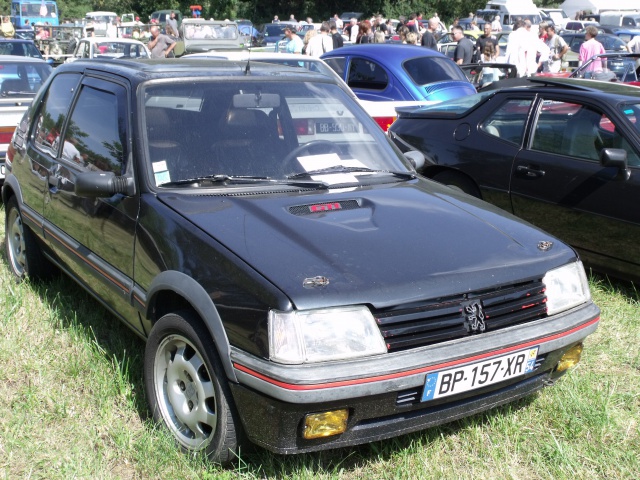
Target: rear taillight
pixel 384 122
pixel 304 126
pixel 6 133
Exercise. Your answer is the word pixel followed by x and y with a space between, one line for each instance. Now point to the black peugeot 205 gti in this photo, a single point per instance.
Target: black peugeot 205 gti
pixel 297 284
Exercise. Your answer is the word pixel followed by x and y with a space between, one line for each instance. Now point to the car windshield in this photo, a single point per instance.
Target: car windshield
pixel 208 31
pixel 274 30
pixel 425 70
pixel 118 49
pixel 266 133
pixel 631 111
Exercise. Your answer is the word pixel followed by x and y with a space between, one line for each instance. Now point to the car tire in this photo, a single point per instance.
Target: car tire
pixel 71 46
pixel 459 182
pixel 187 389
pixel 23 252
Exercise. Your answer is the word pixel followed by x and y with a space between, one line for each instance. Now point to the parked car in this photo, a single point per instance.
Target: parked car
pixel 626 34
pixel 104 47
pixel 20 79
pixel 200 35
pixel 270 34
pixel 610 42
pixel 579 25
pixel 561 153
pixel 620 67
pixel 297 283
pixel 394 75
pixel 19 47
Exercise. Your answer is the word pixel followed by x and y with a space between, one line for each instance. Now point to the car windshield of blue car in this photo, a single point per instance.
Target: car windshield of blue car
pixel 425 70
pixel 249 134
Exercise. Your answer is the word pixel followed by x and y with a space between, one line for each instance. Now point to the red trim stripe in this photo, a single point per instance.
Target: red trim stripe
pixel 391 376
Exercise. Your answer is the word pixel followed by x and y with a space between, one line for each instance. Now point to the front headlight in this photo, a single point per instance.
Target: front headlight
pixel 566 287
pixel 309 336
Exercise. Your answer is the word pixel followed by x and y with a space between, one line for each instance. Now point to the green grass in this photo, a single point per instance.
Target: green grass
pixel 72 405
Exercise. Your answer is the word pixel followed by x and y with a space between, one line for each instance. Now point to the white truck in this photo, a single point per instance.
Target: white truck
pixel 509 12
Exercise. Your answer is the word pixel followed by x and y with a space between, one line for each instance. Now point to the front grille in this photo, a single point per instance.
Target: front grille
pixel 452 318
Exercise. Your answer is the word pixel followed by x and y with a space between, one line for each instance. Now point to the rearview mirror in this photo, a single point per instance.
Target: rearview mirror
pixel 256 100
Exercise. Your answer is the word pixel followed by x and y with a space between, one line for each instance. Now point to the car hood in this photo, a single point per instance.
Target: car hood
pixel 382 245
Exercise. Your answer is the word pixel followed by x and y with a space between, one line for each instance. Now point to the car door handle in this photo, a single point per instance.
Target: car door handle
pixel 530 172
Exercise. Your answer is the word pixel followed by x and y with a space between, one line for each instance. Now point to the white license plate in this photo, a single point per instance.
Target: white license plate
pixel 336 127
pixel 480 374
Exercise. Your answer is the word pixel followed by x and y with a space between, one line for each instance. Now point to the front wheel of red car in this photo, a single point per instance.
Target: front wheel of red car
pixel 187 389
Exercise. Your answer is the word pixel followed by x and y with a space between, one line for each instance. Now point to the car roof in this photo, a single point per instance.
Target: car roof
pixel 612 90
pixel 396 52
pixel 21 59
pixel 140 70
pixel 111 40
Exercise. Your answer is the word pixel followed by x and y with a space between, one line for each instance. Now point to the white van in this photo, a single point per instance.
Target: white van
pixel 509 12
pixel 621 18
pixel 101 23
pixel 558 16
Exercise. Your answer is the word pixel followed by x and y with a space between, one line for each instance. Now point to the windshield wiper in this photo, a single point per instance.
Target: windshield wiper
pixel 219 178
pixel 343 169
pixel 235 180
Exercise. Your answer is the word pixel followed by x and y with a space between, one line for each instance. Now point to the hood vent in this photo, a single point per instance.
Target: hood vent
pixel 324 207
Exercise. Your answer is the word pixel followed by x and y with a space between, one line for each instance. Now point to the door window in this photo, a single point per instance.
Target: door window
pixel 54 112
pixel 95 135
pixel 367 74
pixel 578 131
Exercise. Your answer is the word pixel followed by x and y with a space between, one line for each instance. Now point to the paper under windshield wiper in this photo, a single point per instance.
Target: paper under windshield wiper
pixel 343 169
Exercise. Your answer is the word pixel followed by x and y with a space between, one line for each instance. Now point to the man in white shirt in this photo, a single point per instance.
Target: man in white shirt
pixel 354 30
pixel 321 43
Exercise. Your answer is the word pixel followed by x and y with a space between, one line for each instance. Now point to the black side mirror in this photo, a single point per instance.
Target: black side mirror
pixel 616 158
pixel 103 184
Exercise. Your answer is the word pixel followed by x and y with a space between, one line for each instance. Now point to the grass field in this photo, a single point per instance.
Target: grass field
pixel 72 405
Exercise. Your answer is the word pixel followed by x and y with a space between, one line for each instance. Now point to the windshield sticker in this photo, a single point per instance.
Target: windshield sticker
pixel 161 172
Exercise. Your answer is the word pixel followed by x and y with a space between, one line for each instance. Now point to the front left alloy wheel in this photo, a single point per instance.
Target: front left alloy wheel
pixel 22 249
pixel 187 389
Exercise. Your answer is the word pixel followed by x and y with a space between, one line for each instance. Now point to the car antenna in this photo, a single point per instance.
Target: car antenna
pixel 247 69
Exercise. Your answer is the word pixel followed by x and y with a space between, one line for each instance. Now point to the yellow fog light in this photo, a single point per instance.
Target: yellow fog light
pixel 317 425
pixel 570 358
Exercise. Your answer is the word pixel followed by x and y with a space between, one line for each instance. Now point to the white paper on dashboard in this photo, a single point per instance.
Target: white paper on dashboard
pixel 318 162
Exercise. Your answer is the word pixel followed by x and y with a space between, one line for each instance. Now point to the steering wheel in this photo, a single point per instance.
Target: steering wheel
pixel 330 147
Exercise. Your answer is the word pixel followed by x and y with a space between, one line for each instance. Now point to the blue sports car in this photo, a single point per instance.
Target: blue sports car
pixel 385 76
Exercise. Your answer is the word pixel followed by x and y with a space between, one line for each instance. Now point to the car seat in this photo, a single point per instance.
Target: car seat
pixel 249 144
pixel 580 136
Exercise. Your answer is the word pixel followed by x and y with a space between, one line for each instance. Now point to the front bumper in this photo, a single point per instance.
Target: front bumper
pixel 383 394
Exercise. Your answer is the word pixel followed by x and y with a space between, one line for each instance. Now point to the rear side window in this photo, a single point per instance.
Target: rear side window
pixel 508 121
pixel 425 70
pixel 54 111
pixel 367 74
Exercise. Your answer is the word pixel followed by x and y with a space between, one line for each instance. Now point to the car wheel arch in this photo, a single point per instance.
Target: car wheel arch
pixel 172 291
pixel 455 179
